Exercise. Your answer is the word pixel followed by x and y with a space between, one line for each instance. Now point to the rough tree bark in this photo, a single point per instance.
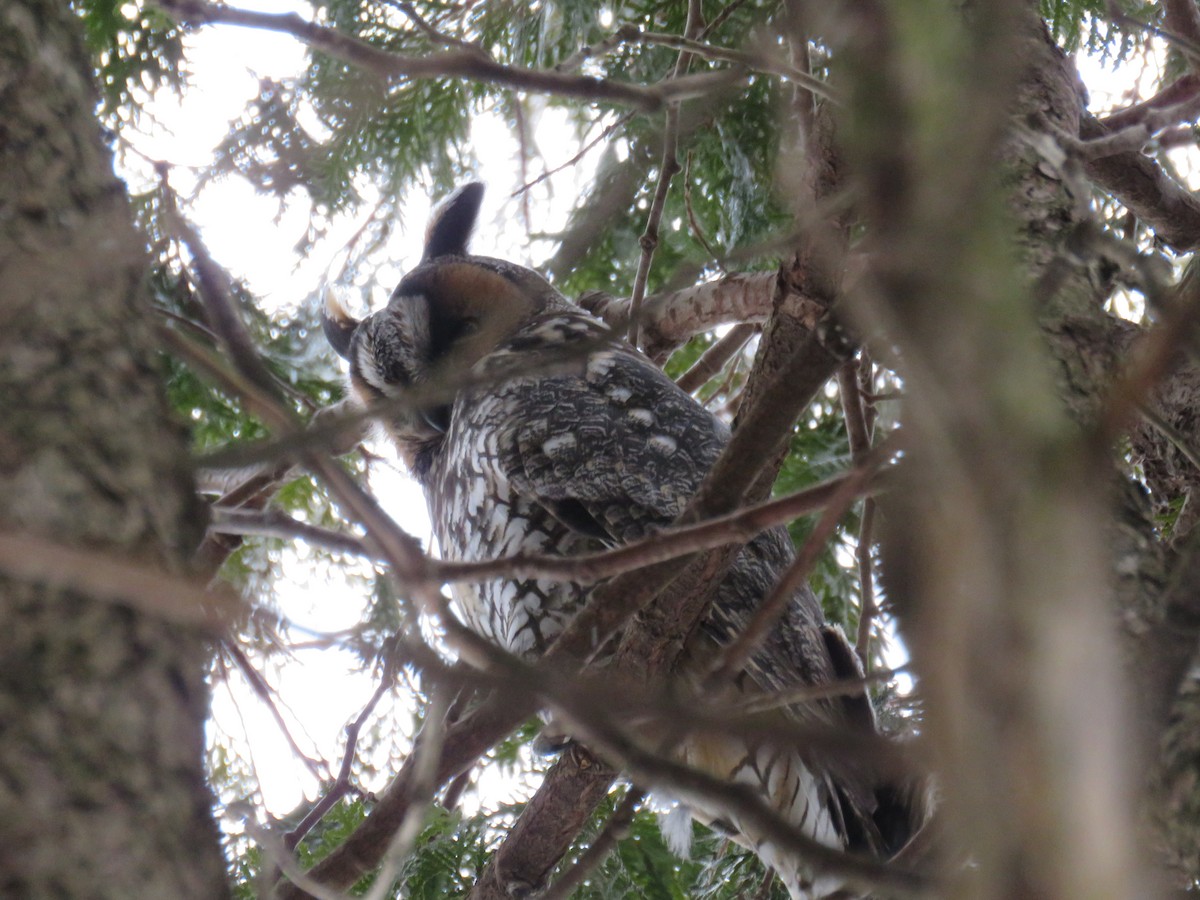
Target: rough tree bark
pixel 102 790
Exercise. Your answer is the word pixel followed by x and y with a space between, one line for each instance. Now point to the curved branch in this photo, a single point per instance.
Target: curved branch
pixel 459 62
pixel 1147 191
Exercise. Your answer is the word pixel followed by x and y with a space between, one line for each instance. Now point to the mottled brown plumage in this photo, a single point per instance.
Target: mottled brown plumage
pixel 563 439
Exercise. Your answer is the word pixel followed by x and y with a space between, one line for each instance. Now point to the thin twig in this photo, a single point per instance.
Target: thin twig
pixel 868 609
pixel 283 861
pixel 586 568
pixel 648 709
pixel 433 34
pixel 216 291
pixel 1154 355
pixel 669 544
pixel 465 741
pixel 601 48
pixel 693 222
pixel 733 399
pixel 720 18
pixel 757 62
pixel 851 376
pixel 764 887
pixel 587 148
pixel 264 692
pixel 341 786
pixel 735 655
pixel 276 524
pixel 467 62
pixel 715 357
pixel 1176 437
pixel 667 170
pixel 844 687
pixel 752 61
pixel 524 139
pixel 853 413
pixel 739 801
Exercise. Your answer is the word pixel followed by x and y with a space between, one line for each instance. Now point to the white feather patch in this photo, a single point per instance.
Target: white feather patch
pixel 676 827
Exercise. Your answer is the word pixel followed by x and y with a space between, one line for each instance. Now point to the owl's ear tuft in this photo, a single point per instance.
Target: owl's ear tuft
pixel 451 224
pixel 339 326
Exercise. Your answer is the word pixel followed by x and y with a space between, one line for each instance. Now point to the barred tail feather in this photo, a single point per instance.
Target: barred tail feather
pixel 806 799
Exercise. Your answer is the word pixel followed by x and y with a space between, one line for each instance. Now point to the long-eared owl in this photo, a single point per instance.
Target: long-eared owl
pixel 561 438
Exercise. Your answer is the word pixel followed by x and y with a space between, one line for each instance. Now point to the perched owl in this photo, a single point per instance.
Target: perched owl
pixel 562 439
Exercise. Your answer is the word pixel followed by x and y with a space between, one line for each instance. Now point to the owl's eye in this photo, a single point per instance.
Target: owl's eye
pixel 437 418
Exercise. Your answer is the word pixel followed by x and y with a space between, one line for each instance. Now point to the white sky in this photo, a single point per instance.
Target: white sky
pixel 254 238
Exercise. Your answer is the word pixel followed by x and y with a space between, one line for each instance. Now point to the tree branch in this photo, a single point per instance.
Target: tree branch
pixel 465 62
pixel 1142 186
pixel 667 170
pixel 124 582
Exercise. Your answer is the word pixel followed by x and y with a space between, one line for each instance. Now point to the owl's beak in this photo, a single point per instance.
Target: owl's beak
pixel 338 325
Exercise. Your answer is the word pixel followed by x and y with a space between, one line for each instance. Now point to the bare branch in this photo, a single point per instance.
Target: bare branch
pixel 432 33
pixel 669 320
pixel 742 801
pixel 465 61
pixel 341 786
pixel 587 148
pixel 669 544
pixel 1132 130
pixel 1152 195
pixel 773 607
pixel 666 171
pixel 122 581
pixel 720 18
pixel 868 609
pixel 758 62
pixel 1177 438
pixel 266 696
pixel 216 289
pixel 841 688
pixel 1176 95
pixel 693 222
pixel 587 568
pixel 851 376
pixel 1152 360
pixel 715 357
pixel 426 754
pixel 463 743
pixel 276 524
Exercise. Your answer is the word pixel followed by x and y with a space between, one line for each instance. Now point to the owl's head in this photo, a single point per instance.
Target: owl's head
pixel 443 318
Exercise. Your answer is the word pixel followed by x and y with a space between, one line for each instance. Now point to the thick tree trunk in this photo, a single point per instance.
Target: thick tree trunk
pixel 101 706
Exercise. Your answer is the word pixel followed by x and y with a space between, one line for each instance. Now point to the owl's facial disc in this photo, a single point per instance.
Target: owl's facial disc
pixel 390 360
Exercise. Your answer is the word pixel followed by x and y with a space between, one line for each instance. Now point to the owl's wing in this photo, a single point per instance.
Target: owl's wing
pixel 615 450
pixel 612 448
